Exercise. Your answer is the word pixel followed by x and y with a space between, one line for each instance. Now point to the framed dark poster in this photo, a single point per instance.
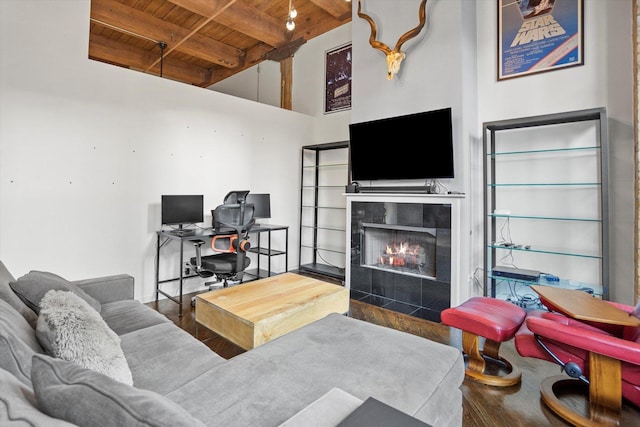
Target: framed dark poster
pixel 337 88
pixel 539 35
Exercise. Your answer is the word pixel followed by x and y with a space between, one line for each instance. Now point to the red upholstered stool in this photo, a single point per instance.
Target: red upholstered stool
pixel 494 320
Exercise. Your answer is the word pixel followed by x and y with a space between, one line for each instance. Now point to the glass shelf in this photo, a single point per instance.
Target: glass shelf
pixel 324 176
pixel 551 150
pixel 323 228
pixel 552 218
pixel 546 184
pixel 549 251
pixel 554 181
pixel 331 165
pixel 323 207
pixel 318 248
pixel 562 283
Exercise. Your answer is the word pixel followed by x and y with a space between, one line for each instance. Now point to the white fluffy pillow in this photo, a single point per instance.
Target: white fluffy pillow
pixel 70 329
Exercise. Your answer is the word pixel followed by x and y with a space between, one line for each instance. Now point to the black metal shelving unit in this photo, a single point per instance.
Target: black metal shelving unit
pixel 324 176
pixel 556 183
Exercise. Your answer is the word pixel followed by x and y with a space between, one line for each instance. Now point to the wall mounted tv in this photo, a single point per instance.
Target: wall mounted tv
pixel 413 146
pixel 182 209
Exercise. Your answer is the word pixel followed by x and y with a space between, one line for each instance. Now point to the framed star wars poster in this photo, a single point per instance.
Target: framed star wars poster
pixel 535 36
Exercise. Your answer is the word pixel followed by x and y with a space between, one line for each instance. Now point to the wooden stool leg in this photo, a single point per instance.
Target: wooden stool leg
pixel 604 394
pixel 477 362
pixel 605 389
pixel 491 348
pixel 471 347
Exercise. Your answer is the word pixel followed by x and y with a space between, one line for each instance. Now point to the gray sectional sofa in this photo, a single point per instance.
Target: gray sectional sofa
pixel 316 375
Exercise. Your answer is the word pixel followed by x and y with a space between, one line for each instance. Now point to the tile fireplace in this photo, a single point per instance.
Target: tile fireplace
pixel 401 252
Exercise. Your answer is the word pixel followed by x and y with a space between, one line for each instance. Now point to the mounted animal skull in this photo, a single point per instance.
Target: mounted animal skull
pixel 395 56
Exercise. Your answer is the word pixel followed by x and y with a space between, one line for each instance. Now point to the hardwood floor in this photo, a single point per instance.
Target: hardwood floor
pixel 483 406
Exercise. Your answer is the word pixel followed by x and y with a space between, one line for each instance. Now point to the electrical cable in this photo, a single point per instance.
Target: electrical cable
pixel 507 239
pixel 327 262
pixel 162 46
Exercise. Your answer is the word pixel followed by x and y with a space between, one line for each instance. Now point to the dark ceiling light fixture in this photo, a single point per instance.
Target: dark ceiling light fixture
pixel 162 46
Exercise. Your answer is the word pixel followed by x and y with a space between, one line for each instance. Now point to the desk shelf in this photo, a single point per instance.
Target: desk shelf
pixel 266 251
pixel 261 250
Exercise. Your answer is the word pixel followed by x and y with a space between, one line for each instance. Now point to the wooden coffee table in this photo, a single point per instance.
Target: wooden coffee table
pixel 254 313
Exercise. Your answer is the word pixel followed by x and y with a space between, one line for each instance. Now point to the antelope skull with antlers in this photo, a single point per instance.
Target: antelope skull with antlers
pixel 395 56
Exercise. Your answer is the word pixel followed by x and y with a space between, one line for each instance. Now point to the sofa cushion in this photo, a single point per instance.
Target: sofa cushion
pixel 18 343
pixel 18 406
pixel 130 315
pixel 70 329
pixel 412 374
pixel 327 411
pixel 7 294
pixel 32 286
pixel 164 357
pixel 87 398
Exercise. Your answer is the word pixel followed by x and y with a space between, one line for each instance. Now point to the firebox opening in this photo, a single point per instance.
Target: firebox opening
pixel 400 249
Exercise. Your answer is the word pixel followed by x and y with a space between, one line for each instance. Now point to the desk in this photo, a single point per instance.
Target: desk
pixel 582 306
pixel 166 236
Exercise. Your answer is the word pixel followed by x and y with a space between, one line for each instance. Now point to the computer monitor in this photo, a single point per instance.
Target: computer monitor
pixel 261 203
pixel 182 209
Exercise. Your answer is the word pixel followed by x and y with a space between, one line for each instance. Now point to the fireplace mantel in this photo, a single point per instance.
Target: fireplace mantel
pixel 459 292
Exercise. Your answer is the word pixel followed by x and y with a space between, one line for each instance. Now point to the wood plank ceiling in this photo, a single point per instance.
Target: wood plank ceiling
pixel 205 41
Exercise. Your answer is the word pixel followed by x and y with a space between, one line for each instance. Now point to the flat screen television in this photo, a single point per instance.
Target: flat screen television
pixel 261 203
pixel 409 147
pixel 182 209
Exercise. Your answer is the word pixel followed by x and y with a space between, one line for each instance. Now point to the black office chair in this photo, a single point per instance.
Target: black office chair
pixel 235 196
pixel 232 223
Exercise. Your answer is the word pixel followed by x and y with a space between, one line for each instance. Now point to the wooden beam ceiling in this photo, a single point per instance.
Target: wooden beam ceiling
pixel 206 40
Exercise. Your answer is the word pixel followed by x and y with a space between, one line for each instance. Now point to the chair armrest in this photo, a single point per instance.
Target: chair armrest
pixel 592 341
pixel 108 288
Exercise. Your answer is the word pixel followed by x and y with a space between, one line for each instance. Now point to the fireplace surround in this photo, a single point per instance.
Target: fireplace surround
pixel 404 251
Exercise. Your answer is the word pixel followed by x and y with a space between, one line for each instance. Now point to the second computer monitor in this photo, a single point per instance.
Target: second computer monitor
pixel 261 203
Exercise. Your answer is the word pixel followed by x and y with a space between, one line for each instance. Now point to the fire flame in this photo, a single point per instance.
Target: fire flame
pixel 399 254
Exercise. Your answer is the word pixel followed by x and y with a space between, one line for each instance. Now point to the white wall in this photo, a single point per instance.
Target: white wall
pixel 309 85
pixel 87 149
pixel 262 83
pixel 438 72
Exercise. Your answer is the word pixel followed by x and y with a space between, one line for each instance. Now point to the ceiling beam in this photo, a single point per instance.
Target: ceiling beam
pixel 133 21
pixel 339 9
pixel 240 17
pixel 309 29
pixel 285 51
pixel 205 8
pixel 254 56
pixel 138 59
